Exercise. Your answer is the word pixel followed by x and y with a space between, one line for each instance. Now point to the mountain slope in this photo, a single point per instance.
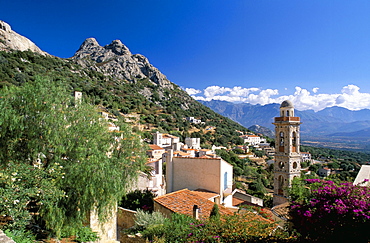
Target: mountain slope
pixel 125 85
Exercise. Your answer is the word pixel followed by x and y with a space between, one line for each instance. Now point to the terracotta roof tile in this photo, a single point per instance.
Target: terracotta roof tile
pixel 205 194
pixel 282 210
pixel 155 147
pixel 182 201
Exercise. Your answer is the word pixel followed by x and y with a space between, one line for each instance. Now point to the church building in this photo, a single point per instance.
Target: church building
pixel 287 163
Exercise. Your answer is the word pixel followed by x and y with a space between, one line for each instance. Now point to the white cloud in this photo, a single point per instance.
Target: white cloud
pixel 192 91
pixel 350 97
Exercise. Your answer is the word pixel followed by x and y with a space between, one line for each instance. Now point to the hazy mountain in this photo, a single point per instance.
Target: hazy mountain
pixel 262 130
pixel 323 122
pixel 334 127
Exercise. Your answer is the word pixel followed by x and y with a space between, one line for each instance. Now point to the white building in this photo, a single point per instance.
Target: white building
pixel 193 143
pixel 306 156
pixel 252 139
pixel 165 140
pixel 363 176
pixel 193 120
pixel 155 151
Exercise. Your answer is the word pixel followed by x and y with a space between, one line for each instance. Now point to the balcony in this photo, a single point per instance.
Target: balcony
pixel 287 118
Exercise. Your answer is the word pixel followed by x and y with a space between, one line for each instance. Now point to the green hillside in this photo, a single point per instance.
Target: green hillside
pixel 164 109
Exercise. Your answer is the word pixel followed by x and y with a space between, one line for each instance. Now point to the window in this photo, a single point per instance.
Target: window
pixel 295 165
pixel 280 185
pixel 225 181
pixel 281 139
pixel 281 165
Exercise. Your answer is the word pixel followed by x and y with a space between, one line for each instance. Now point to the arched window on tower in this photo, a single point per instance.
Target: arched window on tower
pixel 280 185
pixel 281 142
pixel 294 142
pixel 287 113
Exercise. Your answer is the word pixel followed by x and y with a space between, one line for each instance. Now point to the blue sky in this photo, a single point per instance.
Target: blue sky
pixel 314 52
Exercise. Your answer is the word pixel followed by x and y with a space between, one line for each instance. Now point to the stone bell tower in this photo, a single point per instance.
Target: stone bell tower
pixel 287 163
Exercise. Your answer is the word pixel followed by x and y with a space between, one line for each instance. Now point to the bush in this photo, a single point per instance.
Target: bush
pixel 138 200
pixel 144 219
pixel 329 212
pixel 232 228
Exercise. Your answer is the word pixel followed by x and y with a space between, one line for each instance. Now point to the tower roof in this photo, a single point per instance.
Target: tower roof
pixel 287 104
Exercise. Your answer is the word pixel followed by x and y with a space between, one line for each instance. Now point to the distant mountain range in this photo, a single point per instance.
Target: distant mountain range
pixel 328 124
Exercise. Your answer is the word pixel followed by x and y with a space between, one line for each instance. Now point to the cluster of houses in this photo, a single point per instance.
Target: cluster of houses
pixel 193 171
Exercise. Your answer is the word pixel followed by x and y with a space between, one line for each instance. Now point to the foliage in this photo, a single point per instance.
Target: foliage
pixel 215 212
pixel 20 235
pixel 53 158
pixel 329 212
pixel 138 200
pixel 330 154
pixel 232 228
pixel 165 108
pixel 81 233
pixel 143 219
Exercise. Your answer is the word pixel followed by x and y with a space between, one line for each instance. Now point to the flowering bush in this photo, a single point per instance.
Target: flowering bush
pixel 332 212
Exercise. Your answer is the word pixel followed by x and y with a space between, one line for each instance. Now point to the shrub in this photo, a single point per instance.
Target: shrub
pixel 144 219
pixel 215 212
pixel 332 212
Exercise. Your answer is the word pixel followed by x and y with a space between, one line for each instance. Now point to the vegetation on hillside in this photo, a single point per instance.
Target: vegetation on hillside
pixel 163 109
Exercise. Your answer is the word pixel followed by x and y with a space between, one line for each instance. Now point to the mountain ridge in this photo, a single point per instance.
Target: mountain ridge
pixel 125 85
pixel 10 40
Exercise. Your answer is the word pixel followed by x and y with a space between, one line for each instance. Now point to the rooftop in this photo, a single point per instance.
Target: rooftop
pixel 182 202
pixel 155 147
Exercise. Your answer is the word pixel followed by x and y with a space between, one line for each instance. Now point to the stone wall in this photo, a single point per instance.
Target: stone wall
pixel 125 218
pixel 107 231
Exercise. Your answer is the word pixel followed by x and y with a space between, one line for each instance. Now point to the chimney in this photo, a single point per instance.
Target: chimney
pixel 196 212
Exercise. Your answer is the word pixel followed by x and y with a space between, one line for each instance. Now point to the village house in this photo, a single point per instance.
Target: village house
pixel 193 143
pixel 306 156
pixel 324 172
pixel 206 153
pixel 212 174
pixel 193 120
pixel 252 139
pixel 192 203
pixel 155 151
pixel 165 140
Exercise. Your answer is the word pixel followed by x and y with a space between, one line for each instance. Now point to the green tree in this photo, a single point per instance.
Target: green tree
pixel 58 158
pixel 215 212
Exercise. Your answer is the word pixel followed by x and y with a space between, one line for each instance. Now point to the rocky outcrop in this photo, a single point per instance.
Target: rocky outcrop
pixel 10 40
pixel 117 61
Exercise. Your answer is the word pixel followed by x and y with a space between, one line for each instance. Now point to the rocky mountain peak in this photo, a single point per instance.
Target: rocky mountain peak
pixel 116 60
pixel 118 48
pixel 10 40
pixel 88 43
